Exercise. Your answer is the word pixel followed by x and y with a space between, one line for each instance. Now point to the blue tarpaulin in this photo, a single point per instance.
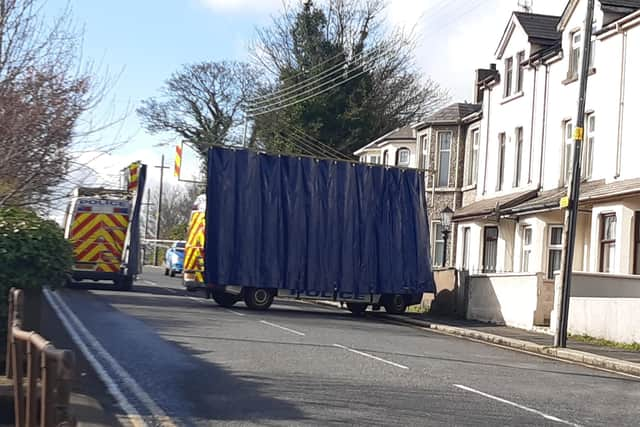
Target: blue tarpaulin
pixel 315 225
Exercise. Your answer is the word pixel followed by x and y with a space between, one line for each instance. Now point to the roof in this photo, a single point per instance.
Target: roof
pixel 541 29
pixel 629 4
pixel 453 113
pixel 620 7
pixel 400 134
pixel 590 190
pixel 489 207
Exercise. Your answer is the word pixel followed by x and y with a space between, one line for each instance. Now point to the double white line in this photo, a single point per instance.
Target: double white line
pixel 107 368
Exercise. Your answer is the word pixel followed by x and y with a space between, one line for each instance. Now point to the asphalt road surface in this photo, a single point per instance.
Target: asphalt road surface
pixel 175 358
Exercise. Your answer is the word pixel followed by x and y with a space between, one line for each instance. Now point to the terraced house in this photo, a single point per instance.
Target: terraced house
pixel 510 235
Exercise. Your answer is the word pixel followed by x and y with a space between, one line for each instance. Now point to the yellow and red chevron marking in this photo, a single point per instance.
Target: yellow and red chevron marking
pixel 134 172
pixel 178 162
pixel 194 256
pixel 99 238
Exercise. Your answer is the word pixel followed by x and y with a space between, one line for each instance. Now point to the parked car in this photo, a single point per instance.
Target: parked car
pixel 174 259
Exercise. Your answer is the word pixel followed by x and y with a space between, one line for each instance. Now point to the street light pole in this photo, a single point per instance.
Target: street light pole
pixel 571 216
pixel 446 215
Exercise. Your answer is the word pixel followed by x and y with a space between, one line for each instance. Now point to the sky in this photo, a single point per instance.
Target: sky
pixel 139 43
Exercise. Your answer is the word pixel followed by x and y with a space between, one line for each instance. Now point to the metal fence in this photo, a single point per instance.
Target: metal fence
pixel 41 373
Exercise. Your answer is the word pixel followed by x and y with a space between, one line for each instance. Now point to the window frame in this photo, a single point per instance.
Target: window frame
pixel 438 239
pixel 519 147
pixel 440 151
pixel 575 51
pixel 526 248
pixel 508 76
pixel 587 146
pixel 556 247
pixel 502 142
pixel 486 228
pixel 385 157
pixel 399 152
pixel 636 243
pixel 605 242
pixel 466 240
pixel 472 164
pixel 567 147
pixel 520 71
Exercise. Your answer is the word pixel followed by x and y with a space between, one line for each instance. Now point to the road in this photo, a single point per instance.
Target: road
pixel 176 358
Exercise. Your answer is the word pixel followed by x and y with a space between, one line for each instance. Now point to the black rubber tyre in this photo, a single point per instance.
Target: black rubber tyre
pixel 357 308
pixel 173 273
pixel 124 283
pixel 394 304
pixel 258 298
pixel 166 271
pixel 224 299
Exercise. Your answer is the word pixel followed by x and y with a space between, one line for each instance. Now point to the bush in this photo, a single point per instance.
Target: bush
pixel 33 253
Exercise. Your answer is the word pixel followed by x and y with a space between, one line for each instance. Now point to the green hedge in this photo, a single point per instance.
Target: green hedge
pixel 33 253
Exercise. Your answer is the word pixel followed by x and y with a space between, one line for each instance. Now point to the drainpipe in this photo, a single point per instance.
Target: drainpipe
pixel 486 148
pixel 623 76
pixel 545 105
pixel 533 117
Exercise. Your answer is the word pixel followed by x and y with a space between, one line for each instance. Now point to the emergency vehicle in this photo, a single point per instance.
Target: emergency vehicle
pixel 102 225
pixel 193 270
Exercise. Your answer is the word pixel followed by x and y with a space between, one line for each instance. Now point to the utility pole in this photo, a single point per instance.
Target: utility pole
pixel 571 216
pixel 146 223
pixel 162 167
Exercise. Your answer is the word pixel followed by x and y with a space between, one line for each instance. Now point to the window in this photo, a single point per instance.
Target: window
pixel 636 245
pixel 587 149
pixel 607 242
pixel 385 157
pixel 423 147
pixel 574 54
pixel 444 155
pixel 472 163
pixel 527 233
pixel 490 250
pixel 402 157
pixel 555 250
pixel 500 178
pixel 466 232
pixel 518 160
pixel 508 71
pixel 438 245
pixel 567 139
pixel 520 71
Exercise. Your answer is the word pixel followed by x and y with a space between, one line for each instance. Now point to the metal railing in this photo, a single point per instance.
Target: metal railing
pixel 41 373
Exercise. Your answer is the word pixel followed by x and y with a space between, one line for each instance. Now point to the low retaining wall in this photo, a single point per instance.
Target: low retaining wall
pixel 605 306
pixel 512 299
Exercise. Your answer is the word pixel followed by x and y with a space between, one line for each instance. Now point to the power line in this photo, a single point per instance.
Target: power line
pixel 326 146
pixel 309 81
pixel 269 109
pixel 273 102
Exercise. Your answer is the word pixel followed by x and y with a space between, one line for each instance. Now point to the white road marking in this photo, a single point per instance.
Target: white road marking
pixel 524 408
pixel 283 328
pixel 149 282
pixel 91 348
pixel 371 356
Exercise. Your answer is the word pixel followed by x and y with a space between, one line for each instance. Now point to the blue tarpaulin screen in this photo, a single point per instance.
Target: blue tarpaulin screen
pixel 315 225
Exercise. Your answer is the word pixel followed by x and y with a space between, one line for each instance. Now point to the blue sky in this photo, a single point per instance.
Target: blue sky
pixel 144 41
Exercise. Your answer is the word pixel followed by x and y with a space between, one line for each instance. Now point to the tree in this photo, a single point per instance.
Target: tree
pixel 44 90
pixel 177 202
pixel 319 44
pixel 202 103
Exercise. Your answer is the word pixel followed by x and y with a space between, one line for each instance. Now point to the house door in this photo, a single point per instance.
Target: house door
pixel 490 250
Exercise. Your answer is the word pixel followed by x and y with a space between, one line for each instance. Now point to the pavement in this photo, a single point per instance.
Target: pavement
pixel 169 357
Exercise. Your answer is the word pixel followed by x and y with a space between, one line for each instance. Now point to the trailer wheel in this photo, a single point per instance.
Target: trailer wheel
pixel 224 299
pixel 357 308
pixel 258 298
pixel 172 273
pixel 124 283
pixel 394 304
pixel 166 271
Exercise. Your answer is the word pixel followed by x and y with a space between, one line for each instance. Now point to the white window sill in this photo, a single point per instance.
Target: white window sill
pixel 512 97
pixel 469 187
